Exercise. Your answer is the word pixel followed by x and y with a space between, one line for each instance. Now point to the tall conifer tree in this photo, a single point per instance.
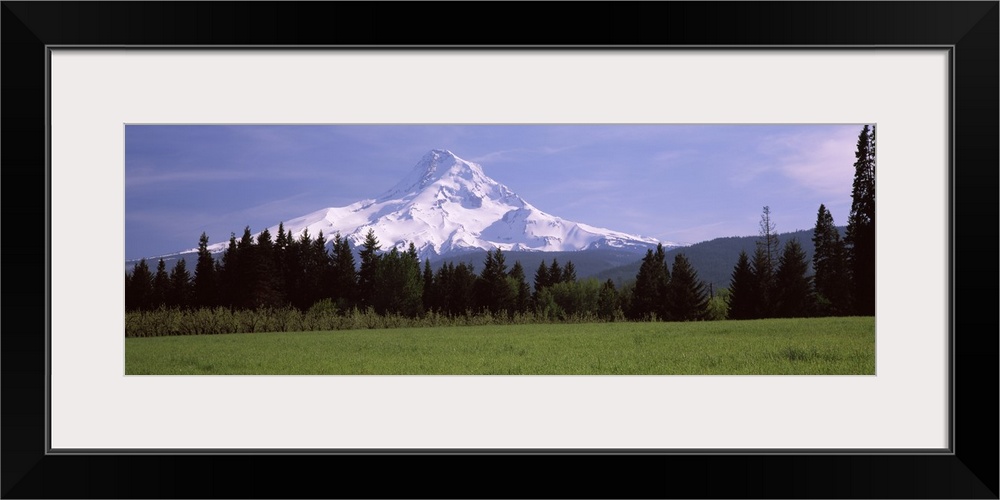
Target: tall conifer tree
pixel 368 271
pixel 463 281
pixel 742 299
pixel 607 300
pixel 762 284
pixel 541 278
pixel 523 297
pixel 686 294
pixel 206 287
pixel 180 286
pixel 768 239
pixel 555 273
pixel 428 286
pixel 161 285
pixel 650 294
pixel 793 289
pixel 139 295
pixel 266 291
pixel 492 291
pixel 860 238
pixel 829 267
pixel 344 275
pixel 764 262
pixel 569 272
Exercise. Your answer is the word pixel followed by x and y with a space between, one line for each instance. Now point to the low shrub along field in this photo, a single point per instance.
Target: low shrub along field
pixel 820 346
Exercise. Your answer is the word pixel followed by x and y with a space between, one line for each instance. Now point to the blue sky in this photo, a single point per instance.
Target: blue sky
pixel 677 183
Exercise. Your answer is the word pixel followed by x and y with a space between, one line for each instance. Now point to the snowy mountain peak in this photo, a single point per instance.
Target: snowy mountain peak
pixel 436 166
pixel 446 205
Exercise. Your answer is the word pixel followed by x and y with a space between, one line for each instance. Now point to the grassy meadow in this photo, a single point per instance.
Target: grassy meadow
pixel 815 346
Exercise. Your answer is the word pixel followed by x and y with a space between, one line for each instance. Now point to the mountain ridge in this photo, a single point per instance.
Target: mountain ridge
pixel 714 259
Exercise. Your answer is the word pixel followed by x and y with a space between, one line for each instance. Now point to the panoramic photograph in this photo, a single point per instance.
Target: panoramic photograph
pixel 603 249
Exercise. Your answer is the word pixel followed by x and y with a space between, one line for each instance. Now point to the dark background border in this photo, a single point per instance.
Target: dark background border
pixel 971 472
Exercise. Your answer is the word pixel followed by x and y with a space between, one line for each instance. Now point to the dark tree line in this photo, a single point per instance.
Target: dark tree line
pixel 672 294
pixel 261 272
pixel 774 283
pixel 255 273
pixel 843 279
pixel 252 273
pixel 771 284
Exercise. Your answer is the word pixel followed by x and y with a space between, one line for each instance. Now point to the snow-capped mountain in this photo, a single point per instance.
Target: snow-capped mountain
pixel 449 205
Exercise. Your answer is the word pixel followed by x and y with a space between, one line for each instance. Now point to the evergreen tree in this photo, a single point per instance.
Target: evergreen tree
pixel 644 298
pixel 279 259
pixel 139 294
pixel 492 290
pixel 793 289
pixel 607 301
pixel 222 298
pixel 281 240
pixel 206 291
pixel 569 273
pixel 687 298
pixel 829 267
pixel 246 277
pixel 399 284
pixel 387 281
pixel 428 286
pixel 414 284
pixel 555 273
pixel 300 262
pixel 541 279
pixel 266 291
pixel 293 257
pixel 742 301
pixel 650 294
pixel 315 270
pixel 127 289
pixel 344 276
pixel 520 284
pixel 161 285
pixel 369 267
pixel 662 283
pixel 180 286
pixel 626 293
pixel 765 260
pixel 463 280
pixel 768 240
pixel 762 284
pixel 860 238
pixel 441 297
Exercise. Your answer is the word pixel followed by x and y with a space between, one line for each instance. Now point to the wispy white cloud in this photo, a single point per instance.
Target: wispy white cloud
pixel 673 157
pixel 819 161
pixel 516 153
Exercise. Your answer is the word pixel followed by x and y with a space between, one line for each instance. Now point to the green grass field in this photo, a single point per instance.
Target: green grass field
pixel 820 346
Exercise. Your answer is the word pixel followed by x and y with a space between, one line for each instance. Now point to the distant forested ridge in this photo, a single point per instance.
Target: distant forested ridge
pixel 714 259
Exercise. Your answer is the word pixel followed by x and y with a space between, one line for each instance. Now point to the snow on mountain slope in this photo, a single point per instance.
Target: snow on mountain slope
pixel 446 205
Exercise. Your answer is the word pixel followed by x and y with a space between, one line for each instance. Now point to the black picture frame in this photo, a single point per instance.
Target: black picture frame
pixel 969 471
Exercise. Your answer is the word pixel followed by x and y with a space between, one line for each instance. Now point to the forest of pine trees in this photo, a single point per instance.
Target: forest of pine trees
pixel 770 285
pixel 671 294
pixel 261 272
